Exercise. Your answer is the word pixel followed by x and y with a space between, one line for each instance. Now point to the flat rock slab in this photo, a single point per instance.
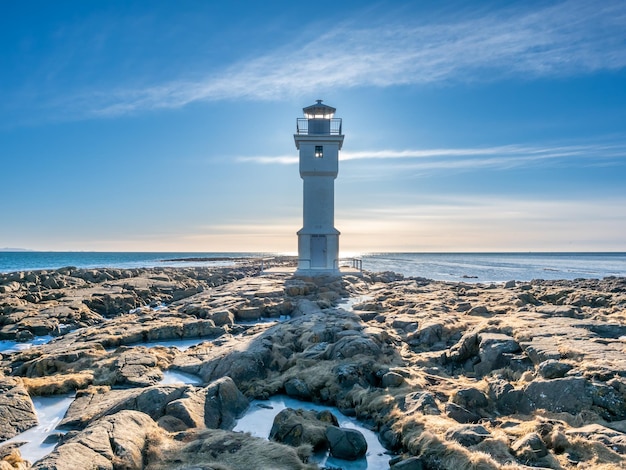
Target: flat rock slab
pixel 17 413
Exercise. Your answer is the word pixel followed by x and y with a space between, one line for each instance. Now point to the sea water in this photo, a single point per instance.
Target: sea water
pixel 468 267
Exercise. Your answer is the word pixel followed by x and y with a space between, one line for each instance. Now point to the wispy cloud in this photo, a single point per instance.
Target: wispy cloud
pixel 506 156
pixel 568 38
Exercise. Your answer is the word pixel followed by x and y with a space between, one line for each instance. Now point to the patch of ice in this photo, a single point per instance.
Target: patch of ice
pixel 178 377
pixel 259 418
pixel 50 411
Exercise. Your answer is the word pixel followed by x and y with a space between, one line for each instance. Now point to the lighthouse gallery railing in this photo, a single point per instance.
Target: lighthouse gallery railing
pixel 302 127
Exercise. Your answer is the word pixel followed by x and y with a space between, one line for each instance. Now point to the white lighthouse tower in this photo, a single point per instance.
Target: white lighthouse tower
pixel 319 139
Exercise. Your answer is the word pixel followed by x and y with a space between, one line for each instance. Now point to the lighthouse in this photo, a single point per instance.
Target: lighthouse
pixel 318 138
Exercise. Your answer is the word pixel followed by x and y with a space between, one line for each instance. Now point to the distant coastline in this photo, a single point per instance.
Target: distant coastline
pixel 466 267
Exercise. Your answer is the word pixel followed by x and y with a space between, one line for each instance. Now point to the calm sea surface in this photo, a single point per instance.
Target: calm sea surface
pixel 469 267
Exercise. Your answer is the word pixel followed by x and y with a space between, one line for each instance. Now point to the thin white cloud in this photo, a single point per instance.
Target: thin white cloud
pixel 268 160
pixel 568 38
pixel 506 156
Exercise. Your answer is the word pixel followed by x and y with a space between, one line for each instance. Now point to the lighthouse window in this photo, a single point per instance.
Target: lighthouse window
pixel 319 151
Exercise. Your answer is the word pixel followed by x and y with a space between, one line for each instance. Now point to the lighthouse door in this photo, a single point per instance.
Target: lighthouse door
pixel 318 251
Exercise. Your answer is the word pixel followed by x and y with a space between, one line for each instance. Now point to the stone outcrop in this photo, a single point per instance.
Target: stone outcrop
pixel 297 427
pixel 17 413
pixel 450 374
pixel 113 442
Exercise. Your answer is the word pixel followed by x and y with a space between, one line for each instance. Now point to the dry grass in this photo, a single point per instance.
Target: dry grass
pixel 224 450
pixel 14 461
pixel 57 384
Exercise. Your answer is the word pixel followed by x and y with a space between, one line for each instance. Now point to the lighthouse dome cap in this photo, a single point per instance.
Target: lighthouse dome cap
pixel 319 110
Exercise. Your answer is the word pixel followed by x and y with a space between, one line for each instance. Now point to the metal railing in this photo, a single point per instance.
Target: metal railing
pixel 357 263
pixel 302 127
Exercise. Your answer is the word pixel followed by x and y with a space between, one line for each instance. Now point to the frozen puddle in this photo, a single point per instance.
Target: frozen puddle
pixel 50 410
pixel 178 377
pixel 349 303
pixel 259 419
pixel 8 346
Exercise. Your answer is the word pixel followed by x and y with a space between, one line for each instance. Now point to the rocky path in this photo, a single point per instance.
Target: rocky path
pixel 451 375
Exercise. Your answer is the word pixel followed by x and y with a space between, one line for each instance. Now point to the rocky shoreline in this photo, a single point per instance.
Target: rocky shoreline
pixel 450 375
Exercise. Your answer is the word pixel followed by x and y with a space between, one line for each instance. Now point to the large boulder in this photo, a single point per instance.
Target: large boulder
pixel 297 427
pixel 568 395
pixel 218 405
pixel 17 413
pixel 347 444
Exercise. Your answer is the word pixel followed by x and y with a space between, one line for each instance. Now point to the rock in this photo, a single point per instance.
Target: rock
pixel 222 317
pixel 468 435
pixel 478 310
pixel 405 324
pixel 613 439
pixel 392 380
pixel 171 424
pixel 460 414
pixel 188 410
pixel 530 449
pixel 463 306
pixel 244 365
pixel 352 346
pixel 347 444
pixel 541 349
pixel 350 374
pixel 53 438
pixel 137 367
pixel 568 395
pixel 297 388
pixel 559 310
pixel 17 413
pixel 552 369
pixel 94 404
pixel 526 298
pixel 215 406
pixel 470 398
pixel 297 427
pixel 248 313
pixel 507 399
pixel 465 348
pixel 389 437
pixel 611 402
pixel 412 463
pixel 224 403
pixel 114 442
pixel 491 350
pixel 427 335
pixel 419 402
pixel 509 284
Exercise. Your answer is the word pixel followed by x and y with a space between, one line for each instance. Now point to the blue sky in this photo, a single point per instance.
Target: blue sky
pixel 168 126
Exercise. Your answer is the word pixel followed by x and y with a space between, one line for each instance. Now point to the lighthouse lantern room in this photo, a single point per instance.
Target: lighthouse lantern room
pixel 318 138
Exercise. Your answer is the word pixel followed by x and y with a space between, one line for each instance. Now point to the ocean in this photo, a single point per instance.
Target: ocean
pixel 467 267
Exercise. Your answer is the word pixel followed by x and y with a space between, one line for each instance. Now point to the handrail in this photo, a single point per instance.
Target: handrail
pixel 302 127
pixel 357 263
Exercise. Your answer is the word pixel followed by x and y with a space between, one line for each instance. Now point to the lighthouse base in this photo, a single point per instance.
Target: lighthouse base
pixel 318 253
